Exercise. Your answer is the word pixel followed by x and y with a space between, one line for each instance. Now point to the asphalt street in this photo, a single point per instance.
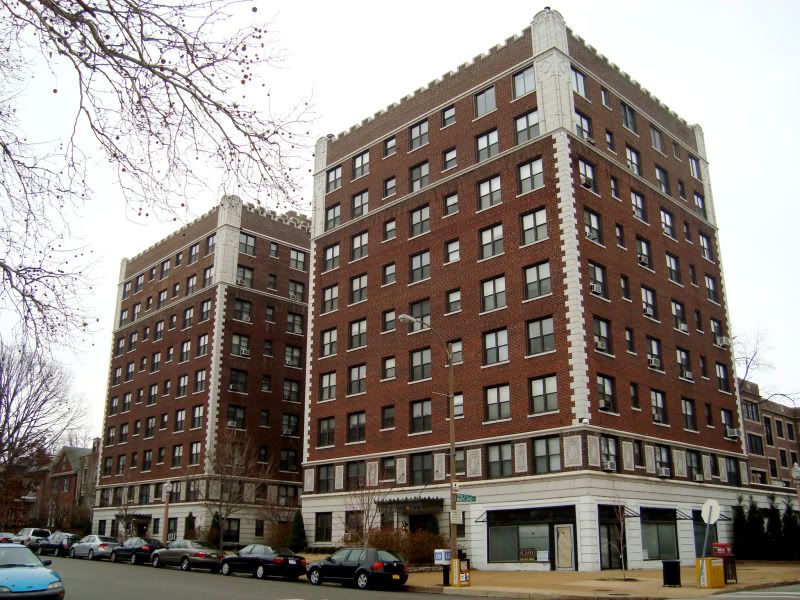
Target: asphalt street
pixel 101 580
pixel 786 592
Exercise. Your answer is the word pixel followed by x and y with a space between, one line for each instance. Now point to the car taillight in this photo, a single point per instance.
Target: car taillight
pixel 201 554
pixel 278 560
pixel 405 568
pixel 377 566
pixel 146 548
pixel 302 561
pixel 102 546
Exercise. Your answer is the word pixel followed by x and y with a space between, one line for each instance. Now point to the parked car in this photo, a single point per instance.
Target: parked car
pixel 23 574
pixel 188 554
pixel 5 537
pixel 57 544
pixel 30 536
pixel 93 547
pixel 261 561
pixel 362 566
pixel 136 550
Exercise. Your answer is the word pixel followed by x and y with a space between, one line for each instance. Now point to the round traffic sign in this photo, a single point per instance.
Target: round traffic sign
pixel 710 511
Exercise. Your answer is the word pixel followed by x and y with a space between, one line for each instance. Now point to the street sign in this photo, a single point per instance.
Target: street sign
pixel 456 517
pixel 710 511
pixel 465 498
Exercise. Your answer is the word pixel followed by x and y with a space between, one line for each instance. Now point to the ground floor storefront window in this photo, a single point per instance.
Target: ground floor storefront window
pixel 659 534
pixel 530 536
pixel 611 521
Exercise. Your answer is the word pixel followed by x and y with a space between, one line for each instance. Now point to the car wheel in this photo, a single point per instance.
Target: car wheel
pixel 260 572
pixel 39 551
pixel 315 577
pixel 214 571
pixel 133 559
pixel 156 561
pixel 293 576
pixel 57 552
pixel 72 552
pixel 226 569
pixel 185 566
pixel 91 556
pixel 362 580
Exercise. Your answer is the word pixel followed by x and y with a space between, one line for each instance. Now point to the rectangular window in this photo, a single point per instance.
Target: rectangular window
pixel 326 429
pixel 711 289
pixel 668 224
pixel 689 414
pixel 498 458
pixel 450 204
pixel 547 455
pixel 487 145
pixel 420 417
pixel 606 393
pixel 334 179
pixel 356 427
pixel 389 187
pixel 419 221
pixel 452 251
pixel 449 159
pixel 663 180
pixel 527 126
pixel 634 161
pixel 330 257
pixel 602 335
pixel 359 245
pixel 330 298
pixel 533 226
pixel 327 386
pixel 497 400
pixel 419 364
pixel 361 165
pixel 537 280
pixel 389 146
pixel 588 179
pixel 495 347
pixel 358 334
pixel 694 166
pixel 360 204
pixel 658 406
pixel 389 230
pixel 419 266
pixel 597 280
pixel 247 243
pixel 628 117
pixel 531 176
pixel 489 192
pixel 524 82
pixel 358 288
pixel 357 379
pixel 448 116
pixel 333 216
pixel 543 394
pixel 493 293
pixel 418 134
pixel 484 102
pixel 419 176
pixel 389 368
pixel 579 83
pixel 452 301
pixel 389 274
pixel 491 240
pixel 583 126
pixel 593 226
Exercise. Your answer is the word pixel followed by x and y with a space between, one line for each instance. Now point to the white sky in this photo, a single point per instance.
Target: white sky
pixel 731 66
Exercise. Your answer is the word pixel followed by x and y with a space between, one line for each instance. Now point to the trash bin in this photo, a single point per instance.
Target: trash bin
pixel 729 564
pixel 709 573
pixel 671 573
pixel 445 575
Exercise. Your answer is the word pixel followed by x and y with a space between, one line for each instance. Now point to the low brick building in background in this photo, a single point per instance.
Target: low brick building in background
pixel 553 222
pixel 208 354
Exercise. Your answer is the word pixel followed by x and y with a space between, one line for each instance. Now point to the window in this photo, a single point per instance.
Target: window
pixel 358 288
pixel 452 251
pixel 498 458
pixel 711 289
pixel 358 334
pixel 421 311
pixel 361 165
pixel 448 116
pixel 634 162
pixel 357 379
pixel 327 386
pixel 419 364
pixel 592 226
pixel 497 401
pixel 546 455
pixel 487 145
pixel 495 347
pixel 694 166
pixel 533 226
pixel 389 187
pixel 628 117
pixel 419 134
pixel 247 243
pixel 678 316
pixel 419 221
pixel 334 181
pixel 389 274
pixel 689 414
pixel 272 281
pixel 356 427
pixel 297 260
pixel 673 268
pixel 639 206
pixel 489 192
pixel 537 280
pixel 610 146
pixel 330 298
pixel 527 126
pixel 658 406
pixel 659 532
pixel 326 429
pixel 663 180
pixel 755 444
pixel 389 320
pixel 602 335
pixel 389 230
pixel 242 310
pixel 205 310
pixel 608 449
pixel 419 176
pixel 723 383
pixel 484 102
pixel 389 146
pixel 422 468
pixel 693 275
pixel 524 82
pixel 700 205
pixel 493 293
pixel 705 247
pixel 292 357
pixel 654 353
pixel 452 301
pixel 450 204
pixel 588 179
pixel 419 266
pixel 333 216
pixel 643 253
pixel 330 257
pixel 583 126
pixel 359 245
pixel 449 159
pixel 360 204
pixel 597 280
pixel 531 176
pixel 543 394
pixel 389 368
pixel 420 417
pixel 294 323
pixel 668 223
pixel 491 241
pixel 244 276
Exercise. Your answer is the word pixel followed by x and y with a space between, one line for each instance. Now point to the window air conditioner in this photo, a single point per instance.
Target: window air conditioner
pixel 600 345
pixel 287 431
pixel 722 341
pixel 232 387
pixel 596 288
pixel 240 282
pixel 587 182
pixel 609 465
pixel 264 388
pixel 664 472
pixel 653 362
pixel 643 259
pixel 683 327
pixel 698 477
pixel 648 310
pixel 589 139
pixel 687 375
pixel 731 432
pixel 591 235
pixel 244 352
pixel 293 296
pixel 232 423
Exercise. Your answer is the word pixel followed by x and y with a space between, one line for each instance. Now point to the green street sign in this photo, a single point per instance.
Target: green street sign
pixel 465 498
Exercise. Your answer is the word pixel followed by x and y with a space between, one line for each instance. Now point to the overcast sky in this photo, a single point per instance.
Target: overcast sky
pixel 730 66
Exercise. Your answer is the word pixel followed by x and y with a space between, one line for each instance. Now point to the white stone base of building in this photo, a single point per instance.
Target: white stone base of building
pixel 577 499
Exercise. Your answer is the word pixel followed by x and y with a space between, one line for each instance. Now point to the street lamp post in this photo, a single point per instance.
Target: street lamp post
pixel 165 524
pixel 796 477
pixel 454 562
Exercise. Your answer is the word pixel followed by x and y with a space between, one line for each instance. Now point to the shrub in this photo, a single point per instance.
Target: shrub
pixel 297 535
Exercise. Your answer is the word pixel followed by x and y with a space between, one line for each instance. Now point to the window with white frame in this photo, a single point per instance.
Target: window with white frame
pixel 357 379
pixel 537 280
pixel 543 394
pixel 418 134
pixel 361 164
pixel 452 251
pixel 360 203
pixel 540 336
pixel 487 145
pixel 328 346
pixel 497 401
pixel 533 226
pixel 634 161
pixel 524 82
pixel 334 179
pixel 419 266
pixel 495 347
pixel 419 364
pixel 419 220
pixel 358 288
pixel 359 245
pixel 530 176
pixel 330 257
pixel 491 241
pixel 493 293
pixel 484 102
pixel 419 176
pixel 489 192
pixel 527 126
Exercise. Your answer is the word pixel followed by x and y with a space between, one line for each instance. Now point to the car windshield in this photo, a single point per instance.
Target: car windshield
pixel 283 550
pixel 202 545
pixel 18 557
pixel 104 538
pixel 41 532
pixel 151 541
pixel 386 556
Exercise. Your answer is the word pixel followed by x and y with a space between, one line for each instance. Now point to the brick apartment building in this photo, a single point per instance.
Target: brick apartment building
pixel 208 350
pixel 68 495
pixel 772 436
pixel 553 222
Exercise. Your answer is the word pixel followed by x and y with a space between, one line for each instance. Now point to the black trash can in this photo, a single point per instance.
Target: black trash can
pixel 445 575
pixel 729 564
pixel 671 573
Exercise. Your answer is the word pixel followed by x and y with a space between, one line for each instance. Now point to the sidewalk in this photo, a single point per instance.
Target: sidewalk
pixel 603 584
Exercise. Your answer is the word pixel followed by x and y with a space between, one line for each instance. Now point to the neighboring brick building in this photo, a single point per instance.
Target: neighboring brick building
pixel 67 501
pixel 554 222
pixel 772 436
pixel 209 340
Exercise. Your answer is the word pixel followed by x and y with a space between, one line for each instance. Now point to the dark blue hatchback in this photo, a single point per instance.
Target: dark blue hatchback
pixel 23 575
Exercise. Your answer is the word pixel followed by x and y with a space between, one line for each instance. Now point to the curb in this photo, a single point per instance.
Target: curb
pixel 761 586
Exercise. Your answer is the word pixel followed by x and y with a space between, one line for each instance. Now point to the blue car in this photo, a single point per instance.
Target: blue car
pixel 23 574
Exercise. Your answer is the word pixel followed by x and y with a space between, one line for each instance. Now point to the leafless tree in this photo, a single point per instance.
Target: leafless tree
pixel 158 91
pixel 750 354
pixel 36 409
pixel 618 538
pixel 362 503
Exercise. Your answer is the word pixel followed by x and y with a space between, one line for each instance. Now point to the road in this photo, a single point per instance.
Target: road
pixel 101 580
pixel 785 592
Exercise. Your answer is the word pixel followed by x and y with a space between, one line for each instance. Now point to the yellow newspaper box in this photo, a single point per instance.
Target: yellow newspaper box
pixel 710 573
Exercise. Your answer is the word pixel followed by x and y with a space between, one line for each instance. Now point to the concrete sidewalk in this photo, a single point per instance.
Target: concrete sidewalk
pixel 603 584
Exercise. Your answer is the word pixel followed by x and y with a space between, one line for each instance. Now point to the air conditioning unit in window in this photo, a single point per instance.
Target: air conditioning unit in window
pixel 610 465
pixel 731 432
pixel 232 387
pixel 232 423
pixel 653 362
pixel 722 341
pixel 589 139
pixel 605 404
pixel 591 235
pixel 664 472
pixel 246 319
pixel 587 182
pixel 287 431
pixel 644 260
pixel 683 327
pixel 240 282
pixel 244 352
pixel 264 387
pixel 648 310
pixel 601 345
pixel 687 375
pixel 698 477
pixel 596 288
pixel 294 297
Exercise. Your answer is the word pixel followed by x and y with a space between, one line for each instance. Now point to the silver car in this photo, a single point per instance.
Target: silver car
pixel 93 547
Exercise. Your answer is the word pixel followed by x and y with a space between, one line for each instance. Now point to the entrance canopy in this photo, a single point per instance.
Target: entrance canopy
pixel 411 506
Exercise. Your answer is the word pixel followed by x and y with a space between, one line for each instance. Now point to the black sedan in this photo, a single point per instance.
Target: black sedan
pixel 363 567
pixel 262 561
pixel 57 544
pixel 188 554
pixel 136 550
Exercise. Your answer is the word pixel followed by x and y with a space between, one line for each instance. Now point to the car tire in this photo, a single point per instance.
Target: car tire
pixel 293 576
pixel 72 552
pixel 39 551
pixel 315 577
pixel 214 571
pixel 133 560
pixel 156 561
pixel 90 556
pixel 362 580
pixel 226 569
pixel 57 552
pixel 185 566
pixel 260 572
